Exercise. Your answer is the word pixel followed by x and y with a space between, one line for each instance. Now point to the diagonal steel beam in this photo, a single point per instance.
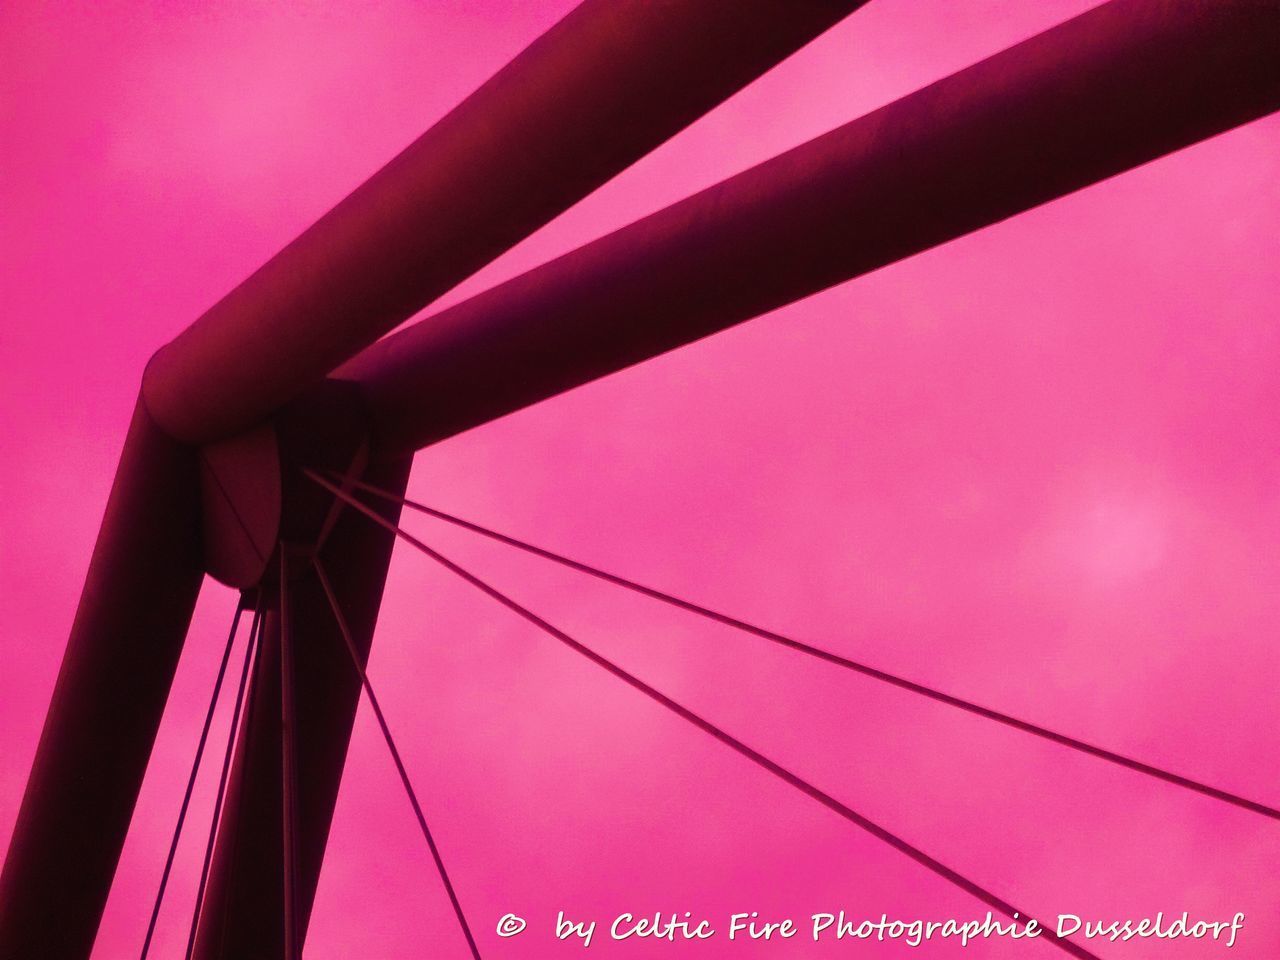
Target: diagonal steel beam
pixel 119 663
pixel 1122 84
pixel 599 90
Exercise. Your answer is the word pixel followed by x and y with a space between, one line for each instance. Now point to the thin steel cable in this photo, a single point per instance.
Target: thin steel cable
pixel 255 634
pixel 230 501
pixel 191 781
pixel 247 749
pixel 395 754
pixel 706 726
pixel 939 696
pixel 289 769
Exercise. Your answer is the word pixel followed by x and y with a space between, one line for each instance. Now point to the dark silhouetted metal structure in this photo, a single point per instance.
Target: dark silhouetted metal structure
pixel 272 379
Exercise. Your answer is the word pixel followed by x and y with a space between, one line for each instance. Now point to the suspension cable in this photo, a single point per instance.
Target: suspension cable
pixel 902 683
pixel 288 767
pixel 246 751
pixel 191 780
pixel 255 637
pixel 345 630
pixel 782 773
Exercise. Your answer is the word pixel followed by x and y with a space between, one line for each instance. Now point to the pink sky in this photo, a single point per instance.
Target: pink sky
pixel 1037 467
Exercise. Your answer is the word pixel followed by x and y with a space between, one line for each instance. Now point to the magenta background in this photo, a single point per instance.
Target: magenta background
pixel 1037 467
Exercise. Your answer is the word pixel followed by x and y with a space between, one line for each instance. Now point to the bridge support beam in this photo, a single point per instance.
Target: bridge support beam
pixel 244 905
pixel 1118 86
pixel 595 93
pixel 115 677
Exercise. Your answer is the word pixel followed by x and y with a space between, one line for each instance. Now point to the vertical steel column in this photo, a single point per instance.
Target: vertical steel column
pixel 106 707
pixel 245 899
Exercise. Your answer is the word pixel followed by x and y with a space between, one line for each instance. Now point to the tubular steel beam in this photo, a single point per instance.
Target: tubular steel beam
pixel 600 89
pixel 115 677
pixel 1116 87
pixel 244 907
